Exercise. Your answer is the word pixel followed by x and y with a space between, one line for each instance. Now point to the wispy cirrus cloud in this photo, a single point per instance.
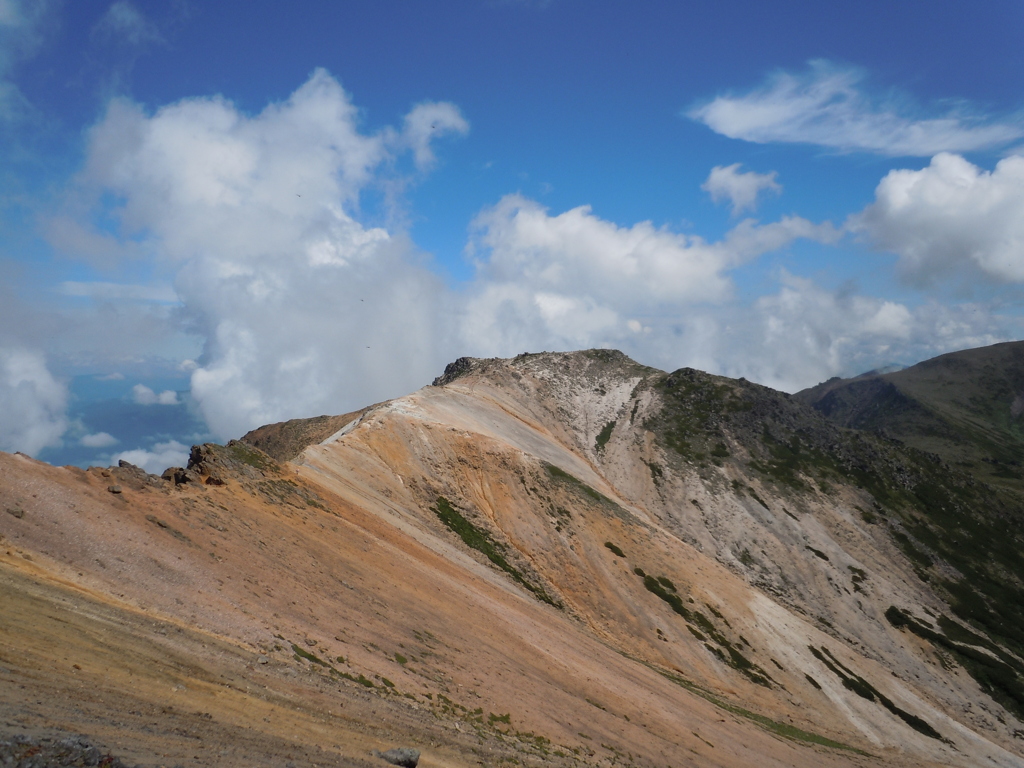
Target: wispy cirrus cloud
pixel 124 22
pixel 21 23
pixel 828 105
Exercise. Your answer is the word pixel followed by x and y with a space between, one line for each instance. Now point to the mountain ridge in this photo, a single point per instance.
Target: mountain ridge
pixel 555 559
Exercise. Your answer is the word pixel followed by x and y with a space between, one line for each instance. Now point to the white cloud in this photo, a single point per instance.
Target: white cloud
pixel 20 36
pixel 143 395
pixel 115 376
pixel 803 334
pixel 119 291
pixel 949 217
pixel 125 22
pixel 789 339
pixel 739 188
pixel 201 176
pixel 98 440
pixel 826 106
pixel 163 455
pixel 10 13
pixel 427 122
pixel 79 240
pixel 574 279
pixel 304 310
pixel 33 404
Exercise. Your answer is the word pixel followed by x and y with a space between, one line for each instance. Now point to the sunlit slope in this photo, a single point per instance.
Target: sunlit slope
pixel 747 558
pixel 251 612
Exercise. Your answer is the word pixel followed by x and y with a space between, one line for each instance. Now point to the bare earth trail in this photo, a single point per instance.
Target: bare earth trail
pixel 437 574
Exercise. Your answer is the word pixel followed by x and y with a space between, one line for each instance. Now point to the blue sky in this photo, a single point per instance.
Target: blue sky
pixel 216 215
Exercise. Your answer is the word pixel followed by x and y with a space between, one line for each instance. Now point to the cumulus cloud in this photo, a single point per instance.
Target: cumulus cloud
pixel 950 217
pixel 804 334
pixel 827 106
pixel 98 440
pixel 801 334
pixel 33 404
pixel 574 279
pixel 303 309
pixel 741 189
pixel 143 395
pixel 155 461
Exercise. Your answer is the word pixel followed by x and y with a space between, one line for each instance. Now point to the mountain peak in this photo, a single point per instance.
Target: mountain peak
pixel 607 361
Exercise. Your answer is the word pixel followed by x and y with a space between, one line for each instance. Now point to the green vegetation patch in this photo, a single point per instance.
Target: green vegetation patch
pixel 480 540
pixel 789 460
pixel 772 726
pixel 615 550
pixel 818 553
pixel 936 513
pixel 701 627
pixel 251 456
pixel 604 436
pixel 998 673
pixel 689 422
pixel 864 689
pixel 576 484
pixel 301 653
pixel 858 576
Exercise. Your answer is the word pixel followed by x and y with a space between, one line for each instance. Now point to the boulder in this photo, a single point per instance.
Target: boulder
pixel 400 756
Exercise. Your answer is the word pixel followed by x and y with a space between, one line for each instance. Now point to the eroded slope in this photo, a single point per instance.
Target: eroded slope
pixel 561 559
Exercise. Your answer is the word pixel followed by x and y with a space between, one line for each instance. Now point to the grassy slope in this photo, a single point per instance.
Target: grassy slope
pixel 287 439
pixel 959 406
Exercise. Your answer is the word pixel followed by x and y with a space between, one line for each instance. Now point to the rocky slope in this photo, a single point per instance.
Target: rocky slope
pixel 555 559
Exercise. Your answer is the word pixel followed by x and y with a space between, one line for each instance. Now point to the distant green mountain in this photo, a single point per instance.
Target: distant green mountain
pixel 966 407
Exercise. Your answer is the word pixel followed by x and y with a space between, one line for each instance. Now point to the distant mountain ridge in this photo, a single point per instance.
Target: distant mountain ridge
pixel 966 407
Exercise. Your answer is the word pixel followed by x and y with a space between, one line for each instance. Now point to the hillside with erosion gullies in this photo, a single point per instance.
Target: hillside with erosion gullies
pixel 563 559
